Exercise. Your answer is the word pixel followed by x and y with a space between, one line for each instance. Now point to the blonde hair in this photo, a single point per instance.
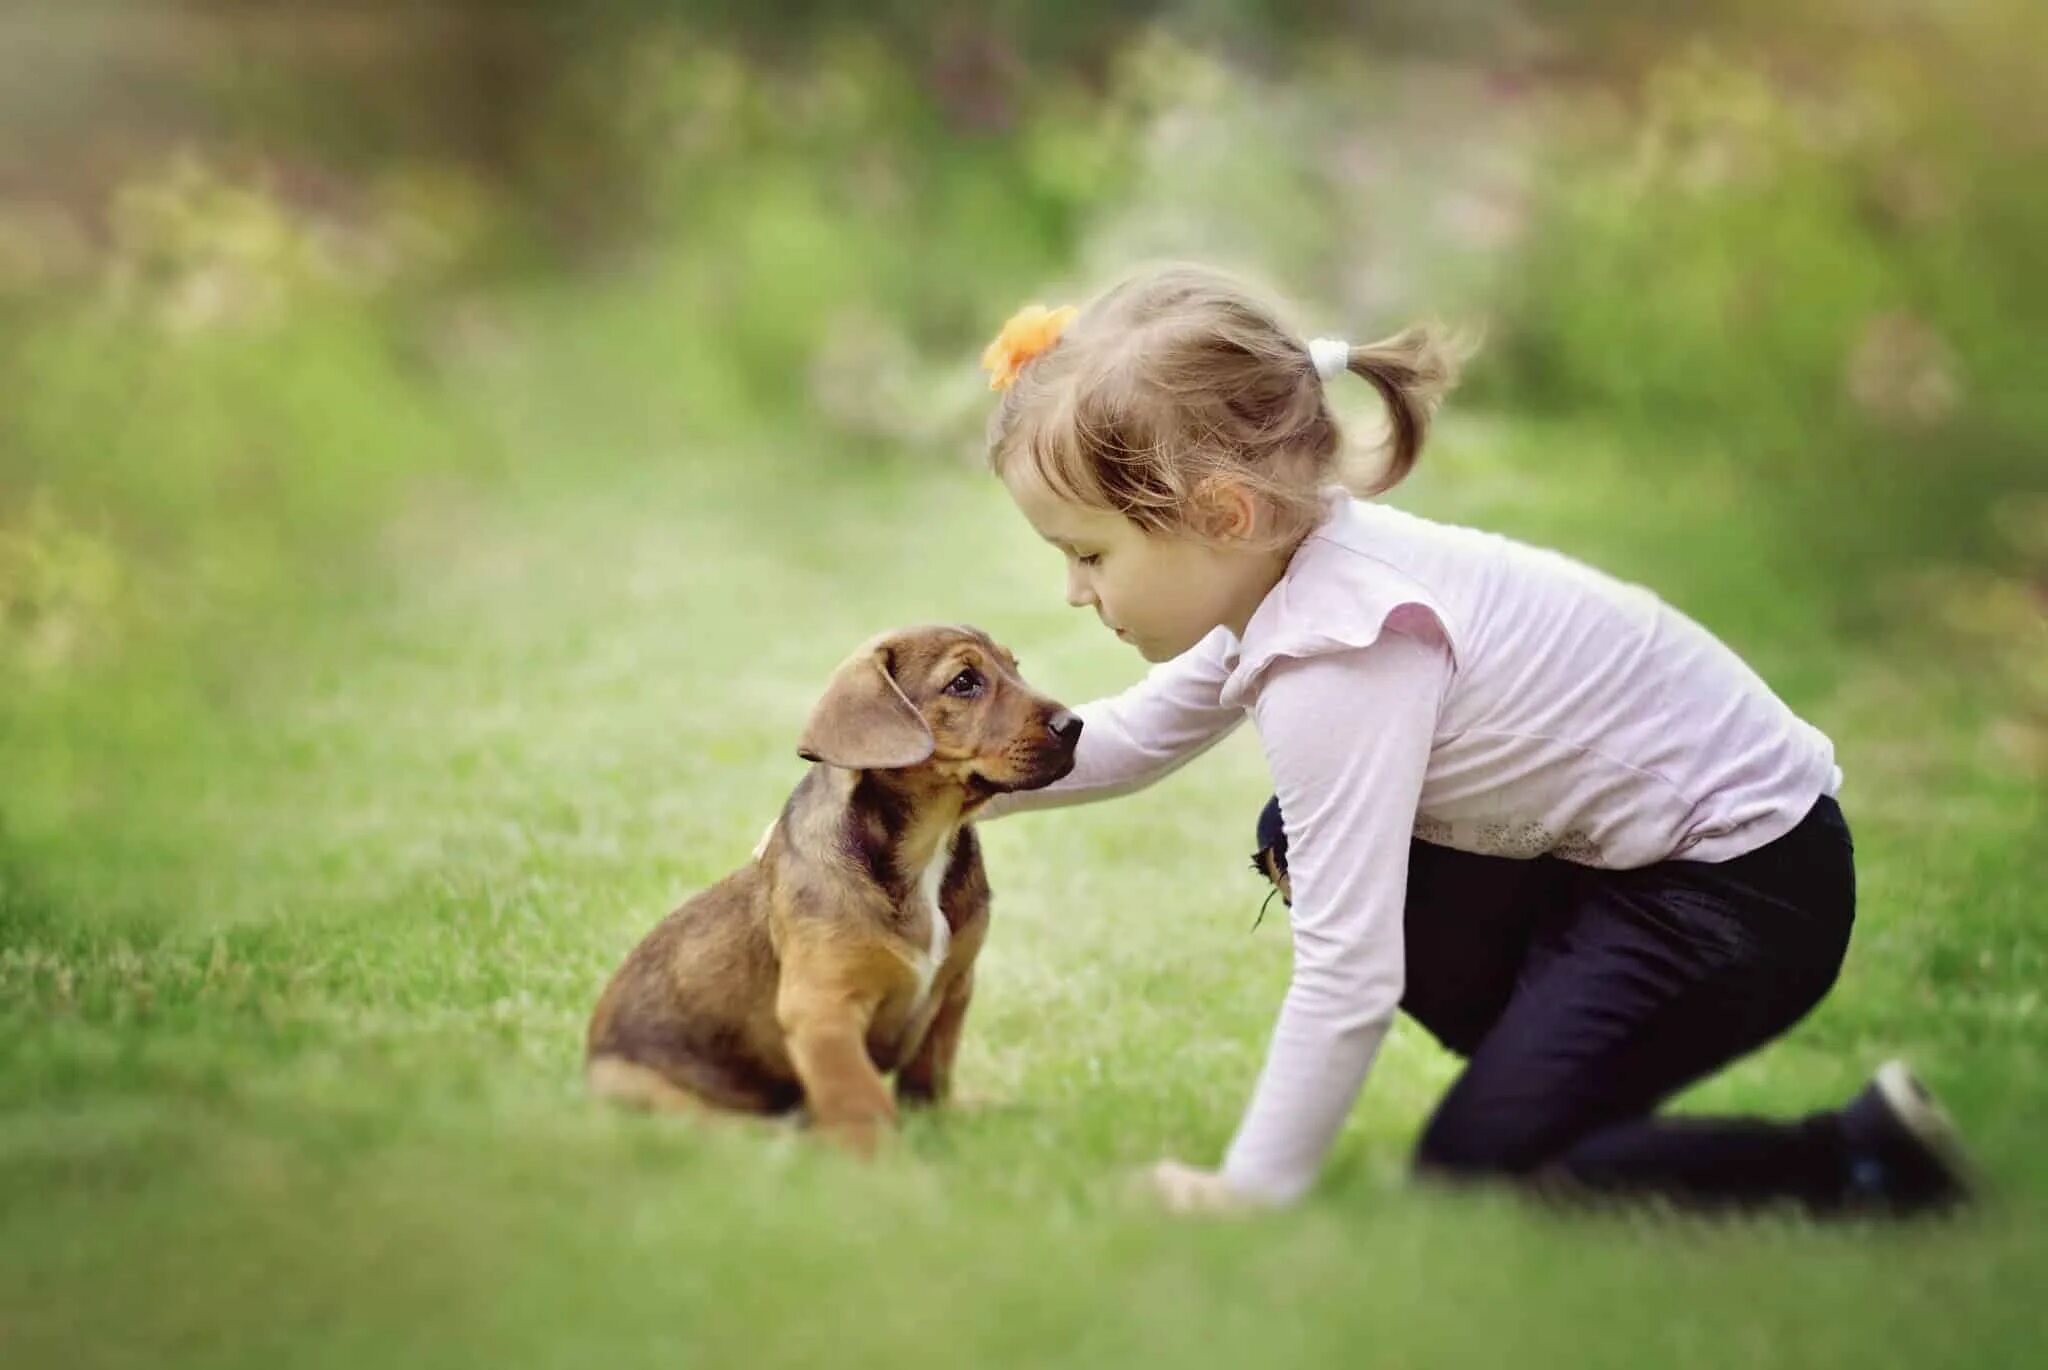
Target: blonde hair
pixel 1180 376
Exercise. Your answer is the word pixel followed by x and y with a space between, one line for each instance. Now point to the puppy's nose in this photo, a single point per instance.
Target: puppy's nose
pixel 1066 726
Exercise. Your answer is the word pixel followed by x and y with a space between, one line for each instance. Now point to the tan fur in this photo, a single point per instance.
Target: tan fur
pixel 617 1079
pixel 796 980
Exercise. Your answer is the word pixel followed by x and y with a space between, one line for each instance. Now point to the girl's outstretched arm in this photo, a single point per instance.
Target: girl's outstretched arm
pixel 1347 736
pixel 1149 731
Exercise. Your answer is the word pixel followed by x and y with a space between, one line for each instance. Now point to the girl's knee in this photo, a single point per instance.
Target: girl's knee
pixel 1459 1146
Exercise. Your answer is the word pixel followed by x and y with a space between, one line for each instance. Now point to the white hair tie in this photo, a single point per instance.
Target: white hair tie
pixel 1332 356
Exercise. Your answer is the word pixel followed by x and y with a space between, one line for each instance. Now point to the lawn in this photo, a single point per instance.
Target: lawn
pixel 301 919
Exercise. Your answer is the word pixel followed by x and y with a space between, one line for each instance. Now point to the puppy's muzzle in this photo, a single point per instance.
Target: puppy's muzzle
pixel 1050 758
pixel 1065 727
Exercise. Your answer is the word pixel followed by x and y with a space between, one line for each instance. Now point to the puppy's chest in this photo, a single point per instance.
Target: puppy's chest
pixel 926 928
pixel 923 905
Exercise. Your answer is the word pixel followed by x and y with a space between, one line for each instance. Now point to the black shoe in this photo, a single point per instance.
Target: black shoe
pixel 1905 1156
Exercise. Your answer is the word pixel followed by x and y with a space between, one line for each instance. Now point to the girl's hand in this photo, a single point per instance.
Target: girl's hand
pixel 1191 1189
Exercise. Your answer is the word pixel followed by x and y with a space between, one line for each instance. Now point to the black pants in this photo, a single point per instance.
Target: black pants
pixel 1582 999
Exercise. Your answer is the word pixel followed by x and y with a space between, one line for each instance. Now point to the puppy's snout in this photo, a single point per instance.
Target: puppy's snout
pixel 1066 726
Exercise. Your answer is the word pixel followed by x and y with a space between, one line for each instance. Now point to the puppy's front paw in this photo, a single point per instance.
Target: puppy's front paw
pixel 916 1091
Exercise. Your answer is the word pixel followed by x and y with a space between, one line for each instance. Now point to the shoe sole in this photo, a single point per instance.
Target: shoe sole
pixel 1914 1105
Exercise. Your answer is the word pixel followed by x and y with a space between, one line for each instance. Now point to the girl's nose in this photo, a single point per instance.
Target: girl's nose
pixel 1078 594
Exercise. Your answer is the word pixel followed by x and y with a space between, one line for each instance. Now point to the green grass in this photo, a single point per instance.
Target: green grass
pixel 299 926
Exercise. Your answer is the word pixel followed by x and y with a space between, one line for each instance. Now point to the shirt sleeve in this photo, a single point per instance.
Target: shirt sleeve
pixel 1149 731
pixel 1347 737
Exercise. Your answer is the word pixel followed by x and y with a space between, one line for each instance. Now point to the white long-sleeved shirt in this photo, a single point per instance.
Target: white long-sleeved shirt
pixel 1415 679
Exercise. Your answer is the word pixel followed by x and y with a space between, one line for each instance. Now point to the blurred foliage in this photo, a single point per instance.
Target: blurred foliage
pixel 1997 620
pixel 59 588
pixel 1824 264
pixel 298 257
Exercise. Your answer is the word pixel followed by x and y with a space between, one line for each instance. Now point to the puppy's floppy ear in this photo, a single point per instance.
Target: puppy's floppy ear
pixel 864 722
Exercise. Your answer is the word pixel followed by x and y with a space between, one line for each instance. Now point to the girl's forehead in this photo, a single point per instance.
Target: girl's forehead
pixel 1053 514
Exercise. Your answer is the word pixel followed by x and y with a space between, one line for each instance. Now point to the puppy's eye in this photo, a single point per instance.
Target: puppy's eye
pixel 966 685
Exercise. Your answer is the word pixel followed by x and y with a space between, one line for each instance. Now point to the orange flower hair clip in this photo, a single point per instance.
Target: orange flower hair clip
pixel 1029 332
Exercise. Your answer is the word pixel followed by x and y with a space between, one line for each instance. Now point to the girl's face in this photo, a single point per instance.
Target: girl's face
pixel 1162 594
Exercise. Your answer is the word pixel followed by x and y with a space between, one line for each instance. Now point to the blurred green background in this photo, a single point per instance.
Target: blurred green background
pixel 443 447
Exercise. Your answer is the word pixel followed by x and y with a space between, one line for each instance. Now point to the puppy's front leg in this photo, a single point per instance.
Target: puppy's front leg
pixel 824 1007
pixel 927 1078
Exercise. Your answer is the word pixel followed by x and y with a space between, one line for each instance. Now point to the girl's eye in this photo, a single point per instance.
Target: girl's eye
pixel 1090 560
pixel 966 685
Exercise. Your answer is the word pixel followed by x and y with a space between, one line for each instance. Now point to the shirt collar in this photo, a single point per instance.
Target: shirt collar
pixel 1334 595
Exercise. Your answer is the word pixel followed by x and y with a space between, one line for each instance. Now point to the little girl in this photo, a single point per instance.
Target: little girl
pixel 1555 820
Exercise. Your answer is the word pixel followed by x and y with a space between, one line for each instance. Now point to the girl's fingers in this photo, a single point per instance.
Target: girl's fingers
pixel 1185 1188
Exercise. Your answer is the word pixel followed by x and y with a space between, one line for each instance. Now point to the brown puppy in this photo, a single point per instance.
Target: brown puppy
pixel 845 948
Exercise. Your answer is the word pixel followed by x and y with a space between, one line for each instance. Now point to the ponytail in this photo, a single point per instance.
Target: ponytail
pixel 1412 370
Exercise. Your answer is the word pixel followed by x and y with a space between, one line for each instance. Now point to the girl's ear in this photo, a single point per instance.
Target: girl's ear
pixel 1226 509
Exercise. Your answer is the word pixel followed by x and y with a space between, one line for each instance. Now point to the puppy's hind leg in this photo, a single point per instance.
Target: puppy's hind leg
pixel 618 1080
